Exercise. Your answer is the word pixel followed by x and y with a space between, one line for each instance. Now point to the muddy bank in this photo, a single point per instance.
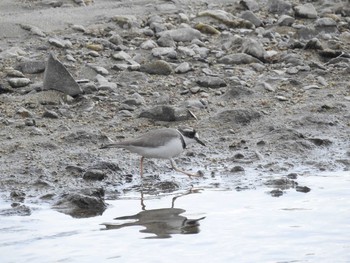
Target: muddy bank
pixel 268 88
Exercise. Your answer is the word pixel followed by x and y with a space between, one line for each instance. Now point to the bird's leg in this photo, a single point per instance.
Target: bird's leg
pixel 141 166
pixel 181 171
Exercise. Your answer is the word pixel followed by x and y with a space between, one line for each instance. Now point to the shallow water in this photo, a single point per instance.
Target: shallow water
pixel 244 226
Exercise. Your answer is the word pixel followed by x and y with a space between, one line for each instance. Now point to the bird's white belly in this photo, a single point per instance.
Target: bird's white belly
pixel 170 150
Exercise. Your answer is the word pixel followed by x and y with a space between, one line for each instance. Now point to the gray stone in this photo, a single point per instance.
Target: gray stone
pixel 326 25
pixel 18 82
pixel 285 20
pixel 87 203
pixel 57 77
pixel 250 16
pixel 251 5
pixel 254 48
pixel 279 7
pixel 50 114
pixel 94 175
pixel 211 82
pixel 31 67
pixel 305 11
pixel 238 58
pixel 121 56
pixel 148 44
pixel 166 40
pixel 104 84
pixel 186 34
pixel 183 68
pixel 159 67
pixel 60 43
pixel 164 51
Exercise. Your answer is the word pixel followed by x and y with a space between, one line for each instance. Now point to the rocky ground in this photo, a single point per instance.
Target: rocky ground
pixel 265 83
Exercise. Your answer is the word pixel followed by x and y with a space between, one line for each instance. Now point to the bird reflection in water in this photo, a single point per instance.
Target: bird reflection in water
pixel 162 222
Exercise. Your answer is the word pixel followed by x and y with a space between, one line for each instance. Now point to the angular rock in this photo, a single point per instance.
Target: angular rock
pixel 185 34
pixel 166 113
pixel 50 114
pixel 166 40
pixel 57 77
pixel 148 44
pixel 207 29
pixel 104 84
pixel 254 48
pixel 251 5
pixel 305 11
pixel 251 17
pixel 326 25
pixel 158 67
pixel 60 43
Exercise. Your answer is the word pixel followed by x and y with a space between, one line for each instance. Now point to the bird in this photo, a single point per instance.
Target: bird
pixel 163 143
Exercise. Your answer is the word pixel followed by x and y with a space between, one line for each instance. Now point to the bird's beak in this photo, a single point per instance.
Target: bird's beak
pixel 199 141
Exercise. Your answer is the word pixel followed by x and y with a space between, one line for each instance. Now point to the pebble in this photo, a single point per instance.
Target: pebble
pixel 104 84
pixel 305 11
pixel 164 51
pixel 251 17
pixel 100 70
pixel 158 67
pixel 184 67
pixel 148 44
pixel 186 34
pixel 285 20
pixel 18 82
pixel 60 43
pixel 166 40
pixel 94 174
pixel 211 82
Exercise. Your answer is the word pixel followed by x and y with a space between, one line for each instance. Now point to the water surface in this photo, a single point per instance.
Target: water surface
pixel 239 226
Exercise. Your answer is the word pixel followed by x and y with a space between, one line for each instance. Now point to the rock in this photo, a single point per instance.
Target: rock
pixel 302 189
pixel 166 113
pixel 250 5
pixel 226 18
pixel 148 44
pixel 166 40
pixel 211 82
pixel 254 48
pixel 94 175
pixel 116 39
pixel 184 67
pixel 18 82
pixel 50 114
pixel 60 43
pixel 185 34
pixel 48 97
pixel 238 58
pixel 24 113
pixel 82 204
pixel 305 11
pixel 134 100
pixel 158 67
pixel 164 51
pixel 285 20
pixel 57 77
pixel 326 25
pixel 126 21
pixel 237 116
pixel 251 17
pixel 33 29
pixel 104 84
pixel 314 44
pixel 100 70
pixel 279 7
pixel 121 56
pixel 16 209
pixel 31 67
pixel 207 29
